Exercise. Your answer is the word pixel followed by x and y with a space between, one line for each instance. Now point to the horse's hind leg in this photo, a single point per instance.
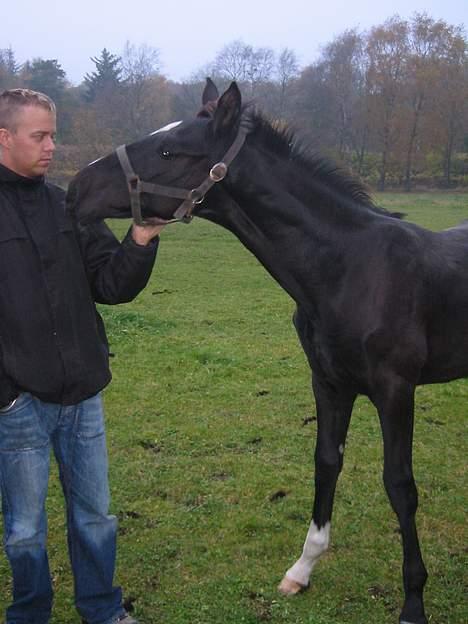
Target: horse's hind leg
pixel 395 403
pixel 333 414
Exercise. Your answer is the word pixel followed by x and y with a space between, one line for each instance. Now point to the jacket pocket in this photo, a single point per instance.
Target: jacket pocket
pixel 11 240
pixel 11 230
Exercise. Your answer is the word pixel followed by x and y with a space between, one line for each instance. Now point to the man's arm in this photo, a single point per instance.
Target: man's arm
pixel 116 271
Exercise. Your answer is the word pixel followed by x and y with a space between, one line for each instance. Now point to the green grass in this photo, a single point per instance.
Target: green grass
pixel 211 448
pixel 435 211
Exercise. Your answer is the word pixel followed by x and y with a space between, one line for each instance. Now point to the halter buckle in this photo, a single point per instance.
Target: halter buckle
pixel 133 182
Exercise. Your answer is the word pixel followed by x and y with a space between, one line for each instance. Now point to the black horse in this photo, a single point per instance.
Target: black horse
pixel 382 304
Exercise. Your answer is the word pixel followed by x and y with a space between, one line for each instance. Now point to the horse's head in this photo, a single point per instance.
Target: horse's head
pixel 165 167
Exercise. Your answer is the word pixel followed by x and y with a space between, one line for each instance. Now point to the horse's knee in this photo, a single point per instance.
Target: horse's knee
pixel 329 462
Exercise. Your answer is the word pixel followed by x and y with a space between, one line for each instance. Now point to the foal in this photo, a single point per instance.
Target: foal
pixel 382 305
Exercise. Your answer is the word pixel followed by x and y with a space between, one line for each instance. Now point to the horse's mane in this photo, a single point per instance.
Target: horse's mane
pixel 338 184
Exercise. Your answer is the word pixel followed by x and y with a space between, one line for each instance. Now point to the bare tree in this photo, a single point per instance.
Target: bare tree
pixel 261 65
pixel 343 66
pixel 139 62
pixel 312 103
pixel 287 70
pixel 141 68
pixel 451 105
pixel 245 64
pixel 428 44
pixel 387 50
pixel 232 61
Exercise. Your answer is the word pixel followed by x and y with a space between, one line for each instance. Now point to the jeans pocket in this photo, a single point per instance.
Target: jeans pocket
pixel 91 418
pixel 6 409
pixel 21 427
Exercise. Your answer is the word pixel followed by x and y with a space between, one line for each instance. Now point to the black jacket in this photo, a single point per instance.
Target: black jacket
pixel 52 339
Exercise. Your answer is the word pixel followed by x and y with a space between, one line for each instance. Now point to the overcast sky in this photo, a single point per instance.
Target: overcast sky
pixel 189 34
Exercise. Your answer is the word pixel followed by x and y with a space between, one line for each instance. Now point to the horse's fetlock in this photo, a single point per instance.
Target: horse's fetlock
pixel 418 579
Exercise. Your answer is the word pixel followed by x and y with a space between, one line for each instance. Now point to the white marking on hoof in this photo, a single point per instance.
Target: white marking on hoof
pixel 288 587
pixel 316 544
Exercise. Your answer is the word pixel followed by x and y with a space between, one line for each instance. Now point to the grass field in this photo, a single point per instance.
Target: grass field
pixel 211 433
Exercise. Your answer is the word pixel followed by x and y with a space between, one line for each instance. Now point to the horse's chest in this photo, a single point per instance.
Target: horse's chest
pixel 332 347
pixel 333 356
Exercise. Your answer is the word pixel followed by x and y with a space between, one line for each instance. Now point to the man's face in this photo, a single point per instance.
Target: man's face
pixel 28 150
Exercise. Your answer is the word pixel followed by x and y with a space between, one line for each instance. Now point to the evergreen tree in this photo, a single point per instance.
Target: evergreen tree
pixel 46 76
pixel 9 68
pixel 106 77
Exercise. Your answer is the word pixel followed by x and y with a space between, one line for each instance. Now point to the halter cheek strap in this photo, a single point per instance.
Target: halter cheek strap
pixel 218 172
pixel 136 186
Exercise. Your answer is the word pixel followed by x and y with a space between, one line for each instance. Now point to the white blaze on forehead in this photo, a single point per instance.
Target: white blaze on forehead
pixel 165 128
pixel 94 161
pixel 169 126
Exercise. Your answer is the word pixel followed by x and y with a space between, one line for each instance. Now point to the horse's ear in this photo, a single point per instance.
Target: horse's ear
pixel 228 109
pixel 210 92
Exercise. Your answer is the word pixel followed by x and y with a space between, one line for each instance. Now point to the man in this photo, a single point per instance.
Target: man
pixel 53 365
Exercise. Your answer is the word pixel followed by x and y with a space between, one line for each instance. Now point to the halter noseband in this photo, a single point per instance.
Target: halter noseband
pixel 218 172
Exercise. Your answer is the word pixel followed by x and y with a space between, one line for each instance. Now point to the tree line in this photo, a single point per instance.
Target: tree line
pixel 390 103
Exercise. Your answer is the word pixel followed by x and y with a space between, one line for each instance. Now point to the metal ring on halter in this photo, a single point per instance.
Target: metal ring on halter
pixel 218 172
pixel 196 197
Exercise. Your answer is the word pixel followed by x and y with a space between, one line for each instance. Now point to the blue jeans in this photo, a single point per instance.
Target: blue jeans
pixel 76 433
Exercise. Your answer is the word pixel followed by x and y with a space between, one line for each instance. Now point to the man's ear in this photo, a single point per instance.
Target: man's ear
pixel 5 138
pixel 228 110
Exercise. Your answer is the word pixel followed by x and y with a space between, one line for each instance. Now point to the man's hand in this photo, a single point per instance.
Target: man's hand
pixel 144 234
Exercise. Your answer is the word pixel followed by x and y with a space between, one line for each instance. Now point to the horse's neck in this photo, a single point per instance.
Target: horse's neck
pixel 288 237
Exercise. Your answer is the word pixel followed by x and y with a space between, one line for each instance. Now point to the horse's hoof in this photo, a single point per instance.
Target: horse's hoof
pixel 288 587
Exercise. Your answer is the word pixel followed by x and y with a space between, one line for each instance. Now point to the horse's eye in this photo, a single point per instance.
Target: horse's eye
pixel 166 154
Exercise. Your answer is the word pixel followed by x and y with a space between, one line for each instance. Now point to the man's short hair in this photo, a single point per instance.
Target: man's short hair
pixel 13 100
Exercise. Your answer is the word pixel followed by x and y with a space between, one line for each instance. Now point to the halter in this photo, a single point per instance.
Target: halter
pixel 218 172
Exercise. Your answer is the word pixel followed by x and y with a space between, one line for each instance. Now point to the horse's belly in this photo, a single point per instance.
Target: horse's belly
pixel 447 357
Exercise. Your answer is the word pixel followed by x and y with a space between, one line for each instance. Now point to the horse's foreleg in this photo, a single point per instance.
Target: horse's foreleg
pixel 395 403
pixel 333 414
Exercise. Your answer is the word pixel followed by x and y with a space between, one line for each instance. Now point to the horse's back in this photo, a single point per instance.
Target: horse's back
pixel 404 290
pixel 463 225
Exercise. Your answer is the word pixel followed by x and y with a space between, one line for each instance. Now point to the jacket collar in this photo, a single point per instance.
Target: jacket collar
pixel 9 176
